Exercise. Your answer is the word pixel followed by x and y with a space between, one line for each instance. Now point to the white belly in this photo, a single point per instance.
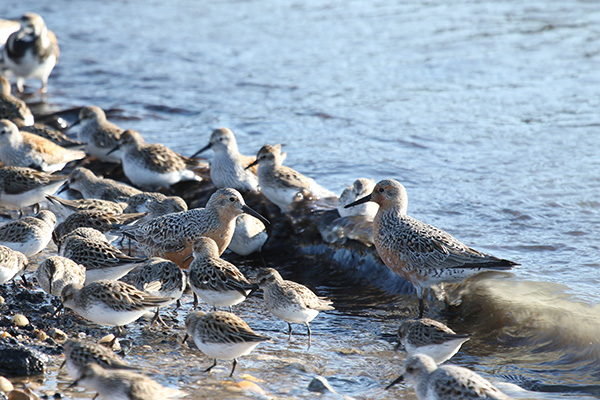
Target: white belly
pixel 225 351
pixel 102 315
pixel 220 299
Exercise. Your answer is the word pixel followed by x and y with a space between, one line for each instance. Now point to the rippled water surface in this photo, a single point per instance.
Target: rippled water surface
pixel 487 111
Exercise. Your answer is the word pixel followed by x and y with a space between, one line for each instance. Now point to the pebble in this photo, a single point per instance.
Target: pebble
pixel 57 334
pixel 20 320
pixel 40 335
pixel 320 384
pixel 2 301
pixel 5 385
pixel 105 341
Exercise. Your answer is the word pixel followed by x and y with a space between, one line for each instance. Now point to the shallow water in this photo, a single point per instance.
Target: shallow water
pixel 485 110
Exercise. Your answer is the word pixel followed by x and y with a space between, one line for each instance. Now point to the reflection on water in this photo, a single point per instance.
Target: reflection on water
pixel 486 111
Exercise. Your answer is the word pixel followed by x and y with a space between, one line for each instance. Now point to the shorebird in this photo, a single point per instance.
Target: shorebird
pixel 118 384
pixel 79 354
pixel 29 235
pixel 12 107
pixel 359 189
pixel 424 255
pixel 228 166
pixel 111 303
pixel 24 149
pixel 222 336
pixel 56 136
pixel 32 51
pixel 172 236
pixel 64 208
pixel 99 220
pixel 21 187
pixel 152 165
pixel 216 281
pixel 290 301
pixel 101 259
pixel 56 272
pixel 12 263
pixel 280 184
pixel 249 236
pixel 448 382
pixel 155 204
pixel 426 336
pixel 99 134
pixel 93 187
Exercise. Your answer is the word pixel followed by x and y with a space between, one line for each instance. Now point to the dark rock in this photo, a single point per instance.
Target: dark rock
pixel 19 360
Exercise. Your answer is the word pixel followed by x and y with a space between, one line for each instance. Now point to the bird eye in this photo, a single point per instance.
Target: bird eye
pixel 410 370
pixel 381 190
pixel 232 199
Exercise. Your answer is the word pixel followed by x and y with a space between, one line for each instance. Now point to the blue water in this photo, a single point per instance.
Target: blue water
pixel 487 111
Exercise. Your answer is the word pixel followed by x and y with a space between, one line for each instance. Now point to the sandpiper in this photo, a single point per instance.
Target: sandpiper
pixel 84 232
pixel 12 263
pixel 12 107
pixel 424 255
pixel 155 204
pixel 152 165
pixel 426 336
pixel 359 189
pixel 228 166
pixel 29 235
pixel 290 301
pixel 99 134
pixel 32 51
pixel 111 303
pixel 93 187
pixel 24 149
pixel 21 187
pixel 171 279
pixel 281 184
pixel 56 136
pixel 222 336
pixel 56 272
pixel 118 384
pixel 102 221
pixel 214 280
pixel 101 259
pixel 64 207
pixel 171 236
pixel 447 382
pixel 249 236
pixel 79 354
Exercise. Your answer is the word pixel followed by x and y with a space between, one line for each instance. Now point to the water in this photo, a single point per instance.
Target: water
pixel 485 110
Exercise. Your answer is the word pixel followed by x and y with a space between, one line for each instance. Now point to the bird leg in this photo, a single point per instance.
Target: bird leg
pixel 212 366
pixel 290 331
pixel 309 335
pixel 233 367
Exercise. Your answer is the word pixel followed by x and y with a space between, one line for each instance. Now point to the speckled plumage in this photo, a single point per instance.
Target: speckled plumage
pixel 280 184
pixel 93 187
pixel 99 134
pixel 216 281
pixel 12 263
pixel 101 259
pixel 153 165
pixel 155 204
pixel 171 278
pixel 12 107
pixel 21 187
pixel 99 220
pixel 56 136
pixel 108 302
pixel 56 272
pixel 430 337
pixel 222 335
pixel 447 382
pixel 79 354
pixel 228 166
pixel 171 236
pixel 421 253
pixel 290 301
pixel 117 384
pixel 24 149
pixel 29 235
pixel 32 51
pixel 65 207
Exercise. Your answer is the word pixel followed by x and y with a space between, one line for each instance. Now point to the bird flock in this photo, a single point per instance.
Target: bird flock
pixel 178 247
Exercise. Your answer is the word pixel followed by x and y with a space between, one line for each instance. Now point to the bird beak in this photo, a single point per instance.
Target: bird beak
pixel 255 287
pixel 185 338
pixel 253 164
pixel 250 211
pixel 208 146
pixel 117 147
pixel 188 257
pixel 359 201
pixel 75 382
pixel 65 186
pixel 397 380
